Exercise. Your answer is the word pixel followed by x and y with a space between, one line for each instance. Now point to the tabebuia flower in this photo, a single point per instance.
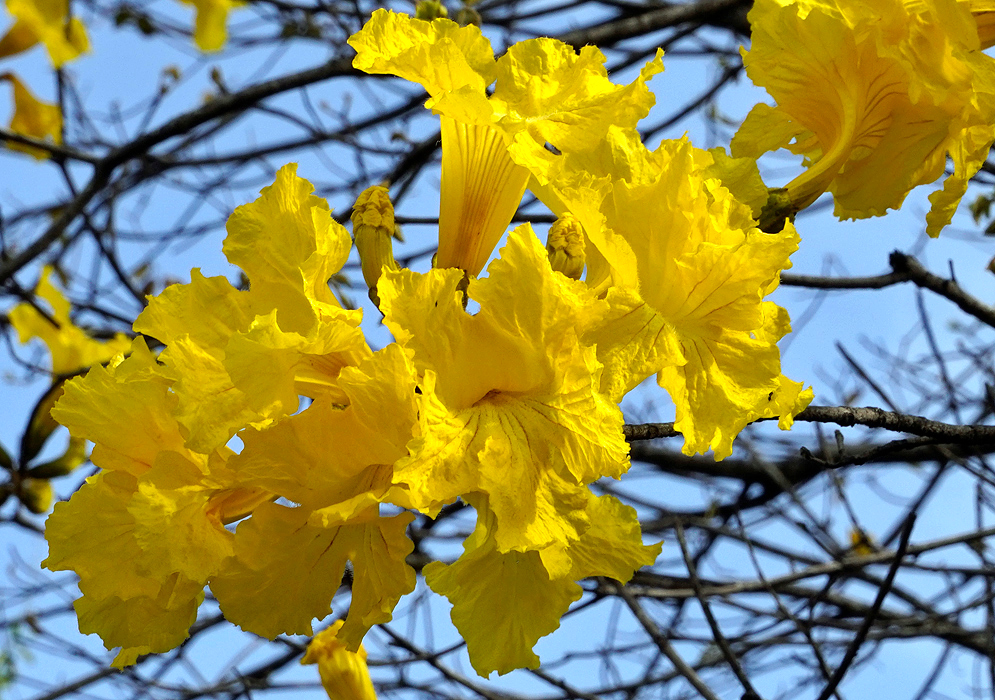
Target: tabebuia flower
pixel 511 418
pixel 684 270
pixel 543 92
pixel 47 22
pixel 148 532
pixel 874 94
pixel 210 23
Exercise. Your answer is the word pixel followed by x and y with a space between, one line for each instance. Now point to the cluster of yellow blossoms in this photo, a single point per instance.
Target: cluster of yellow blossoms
pixel 512 408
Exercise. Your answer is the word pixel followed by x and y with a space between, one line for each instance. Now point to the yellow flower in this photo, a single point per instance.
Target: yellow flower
pixel 344 674
pixel 48 22
pixel 510 404
pixel 70 347
pixel 983 12
pixel 544 93
pixel 288 562
pixel 874 94
pixel 146 533
pixel 168 486
pixel 210 29
pixel 33 118
pixel 511 419
pixel 289 321
pixel 685 271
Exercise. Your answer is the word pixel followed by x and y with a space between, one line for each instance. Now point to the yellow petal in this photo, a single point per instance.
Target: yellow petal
pixel 565 98
pixel 288 565
pixel 132 393
pixel 440 55
pixel 49 21
pixel 210 29
pixel 289 246
pixel 502 603
pixel 612 546
pixel 71 348
pixel 20 37
pixel 33 118
pixel 93 534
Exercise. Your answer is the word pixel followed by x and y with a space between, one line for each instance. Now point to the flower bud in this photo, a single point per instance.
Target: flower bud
pixel 565 246
pixel 468 15
pixel 430 9
pixel 36 495
pixel 372 230
pixel 344 673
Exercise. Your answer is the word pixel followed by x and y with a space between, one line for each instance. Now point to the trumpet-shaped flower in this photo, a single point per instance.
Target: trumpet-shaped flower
pixel 686 272
pixel 874 94
pixel 544 92
pixel 69 346
pixel 48 22
pixel 511 418
pixel 510 400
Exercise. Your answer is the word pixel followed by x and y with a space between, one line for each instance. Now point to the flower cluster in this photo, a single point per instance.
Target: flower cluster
pixel 269 446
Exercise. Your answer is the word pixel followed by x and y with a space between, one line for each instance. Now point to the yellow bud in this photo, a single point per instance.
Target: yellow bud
pixel 467 15
pixel 372 230
pixel 344 673
pixel 430 9
pixel 36 495
pixel 779 206
pixel 565 246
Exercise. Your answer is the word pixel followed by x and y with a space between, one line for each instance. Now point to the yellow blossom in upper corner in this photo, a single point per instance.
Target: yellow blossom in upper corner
pixel 48 22
pixel 32 117
pixel 874 94
pixel 344 674
pixel 71 348
pixel 544 93
pixel 210 26
pixel 685 271
pixel 983 12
